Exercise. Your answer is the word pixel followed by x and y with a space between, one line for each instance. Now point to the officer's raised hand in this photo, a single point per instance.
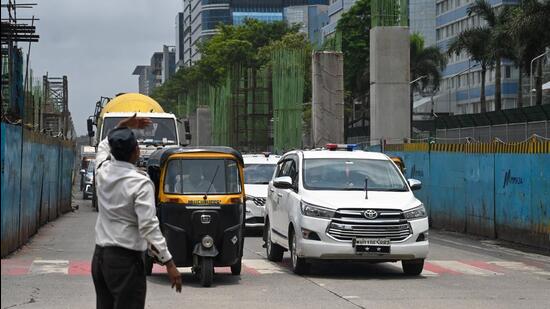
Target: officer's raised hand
pixel 135 122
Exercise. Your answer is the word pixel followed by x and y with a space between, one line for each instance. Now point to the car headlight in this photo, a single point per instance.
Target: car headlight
pixel 416 213
pixel 311 210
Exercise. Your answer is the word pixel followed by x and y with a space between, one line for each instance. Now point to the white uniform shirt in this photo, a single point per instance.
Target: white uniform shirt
pixel 126 205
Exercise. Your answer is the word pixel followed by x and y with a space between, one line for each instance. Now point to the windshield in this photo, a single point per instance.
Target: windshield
pixel 194 176
pixel 350 174
pixel 258 174
pixel 161 131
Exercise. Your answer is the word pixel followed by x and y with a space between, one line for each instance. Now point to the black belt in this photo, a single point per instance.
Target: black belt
pixel 118 250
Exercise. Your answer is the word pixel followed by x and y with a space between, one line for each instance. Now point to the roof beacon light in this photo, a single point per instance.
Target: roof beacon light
pixel 348 147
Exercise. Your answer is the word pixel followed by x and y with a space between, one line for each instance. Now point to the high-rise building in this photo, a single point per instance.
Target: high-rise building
pixel 311 18
pixel 461 83
pixel 335 10
pixel 422 19
pixel 161 67
pixel 201 17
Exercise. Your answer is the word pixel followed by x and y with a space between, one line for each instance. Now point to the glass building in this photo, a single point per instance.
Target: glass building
pixel 201 17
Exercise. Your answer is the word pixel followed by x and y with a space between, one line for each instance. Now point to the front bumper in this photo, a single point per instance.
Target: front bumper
pixel 332 249
pixel 254 215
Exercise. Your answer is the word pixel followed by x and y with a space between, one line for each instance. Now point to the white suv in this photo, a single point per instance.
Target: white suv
pixel 258 171
pixel 344 205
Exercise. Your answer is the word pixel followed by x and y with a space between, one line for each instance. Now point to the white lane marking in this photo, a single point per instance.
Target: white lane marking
pixel 465 268
pixel 263 266
pixel 350 297
pixel 515 266
pixel 50 267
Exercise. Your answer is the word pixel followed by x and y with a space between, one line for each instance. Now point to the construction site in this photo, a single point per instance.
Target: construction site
pixel 37 145
pixel 262 109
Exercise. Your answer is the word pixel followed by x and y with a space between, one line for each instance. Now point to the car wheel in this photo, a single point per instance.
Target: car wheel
pixel 273 251
pixel 84 195
pixel 413 267
pixel 299 265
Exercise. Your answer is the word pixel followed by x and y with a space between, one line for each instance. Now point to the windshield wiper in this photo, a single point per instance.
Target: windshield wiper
pixel 211 182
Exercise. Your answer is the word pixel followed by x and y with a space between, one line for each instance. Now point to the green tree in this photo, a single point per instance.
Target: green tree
pixel 474 41
pixel 426 66
pixel 425 61
pixel 528 26
pixel 499 40
pixel 232 45
pixel 354 27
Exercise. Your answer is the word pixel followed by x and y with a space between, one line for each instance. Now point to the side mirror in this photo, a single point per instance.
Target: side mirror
pixel 90 124
pixel 284 182
pixel 82 171
pixel 415 184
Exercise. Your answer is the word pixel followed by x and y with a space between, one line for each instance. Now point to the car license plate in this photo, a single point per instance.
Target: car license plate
pixel 371 245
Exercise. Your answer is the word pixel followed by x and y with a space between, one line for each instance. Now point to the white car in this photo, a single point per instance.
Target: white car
pixel 258 171
pixel 344 205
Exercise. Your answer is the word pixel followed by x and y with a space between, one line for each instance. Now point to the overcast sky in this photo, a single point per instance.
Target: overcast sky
pixel 97 44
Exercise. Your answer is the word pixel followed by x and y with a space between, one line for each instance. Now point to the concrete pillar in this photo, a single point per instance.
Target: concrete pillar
pixel 389 89
pixel 200 123
pixel 327 123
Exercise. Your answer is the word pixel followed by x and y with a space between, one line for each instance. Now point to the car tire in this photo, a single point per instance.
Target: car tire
pixel 273 251
pixel 84 195
pixel 299 265
pixel 413 267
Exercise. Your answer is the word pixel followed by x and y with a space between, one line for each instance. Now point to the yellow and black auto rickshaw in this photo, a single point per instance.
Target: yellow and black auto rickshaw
pixel 200 206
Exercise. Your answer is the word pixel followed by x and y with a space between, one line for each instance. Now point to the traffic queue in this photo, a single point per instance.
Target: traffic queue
pixel 332 203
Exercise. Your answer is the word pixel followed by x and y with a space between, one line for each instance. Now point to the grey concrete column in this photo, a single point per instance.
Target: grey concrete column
pixel 203 126
pixel 327 123
pixel 389 89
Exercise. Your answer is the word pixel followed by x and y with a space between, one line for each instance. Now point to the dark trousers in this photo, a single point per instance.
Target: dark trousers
pixel 119 278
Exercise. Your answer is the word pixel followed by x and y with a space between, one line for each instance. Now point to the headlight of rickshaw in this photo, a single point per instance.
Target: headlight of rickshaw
pixel 207 242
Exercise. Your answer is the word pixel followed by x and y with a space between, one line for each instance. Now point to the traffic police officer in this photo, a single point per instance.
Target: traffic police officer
pixel 126 222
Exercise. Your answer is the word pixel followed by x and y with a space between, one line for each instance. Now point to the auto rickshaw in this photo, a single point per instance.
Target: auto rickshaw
pixel 200 205
pixel 400 163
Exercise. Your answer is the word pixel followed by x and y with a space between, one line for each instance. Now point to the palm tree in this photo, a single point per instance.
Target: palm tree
pixel 425 61
pixel 528 24
pixel 426 65
pixel 499 41
pixel 474 42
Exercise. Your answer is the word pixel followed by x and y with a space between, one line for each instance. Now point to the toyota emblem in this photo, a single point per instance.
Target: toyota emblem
pixel 370 214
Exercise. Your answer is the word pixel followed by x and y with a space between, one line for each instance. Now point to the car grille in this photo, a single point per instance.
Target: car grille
pixel 259 201
pixel 348 224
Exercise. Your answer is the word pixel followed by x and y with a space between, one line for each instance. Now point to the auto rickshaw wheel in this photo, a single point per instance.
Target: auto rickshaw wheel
pixel 236 268
pixel 207 271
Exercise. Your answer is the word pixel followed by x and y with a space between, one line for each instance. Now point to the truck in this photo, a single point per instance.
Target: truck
pixel 166 129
